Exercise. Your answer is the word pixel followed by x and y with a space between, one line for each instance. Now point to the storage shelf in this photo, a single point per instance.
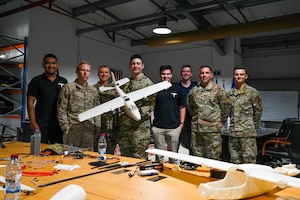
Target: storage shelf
pixel 12 74
pixel 11 90
pixel 13 116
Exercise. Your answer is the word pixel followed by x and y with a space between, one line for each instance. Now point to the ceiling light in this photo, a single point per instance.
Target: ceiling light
pixel 162 28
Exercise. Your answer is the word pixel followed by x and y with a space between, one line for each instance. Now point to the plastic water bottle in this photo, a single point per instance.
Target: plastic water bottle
pixel 35 142
pixel 37 132
pixel 13 176
pixel 117 151
pixel 262 127
pixel 102 148
pixel 151 157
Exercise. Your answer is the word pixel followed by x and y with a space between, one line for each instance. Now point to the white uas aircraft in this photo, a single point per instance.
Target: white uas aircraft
pixel 241 180
pixel 126 100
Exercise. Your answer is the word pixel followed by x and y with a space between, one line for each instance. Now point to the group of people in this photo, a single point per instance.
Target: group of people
pixel 188 113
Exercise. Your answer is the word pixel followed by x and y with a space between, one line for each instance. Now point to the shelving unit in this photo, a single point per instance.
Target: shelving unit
pixel 12 74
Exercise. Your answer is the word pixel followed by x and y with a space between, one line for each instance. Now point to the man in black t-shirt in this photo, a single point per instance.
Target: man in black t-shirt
pixel 168 122
pixel 42 101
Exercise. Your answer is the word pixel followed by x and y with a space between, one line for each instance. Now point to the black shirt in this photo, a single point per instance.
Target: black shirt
pixel 167 103
pixel 46 93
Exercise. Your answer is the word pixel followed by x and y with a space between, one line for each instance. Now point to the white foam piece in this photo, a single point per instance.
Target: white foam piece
pixel 70 192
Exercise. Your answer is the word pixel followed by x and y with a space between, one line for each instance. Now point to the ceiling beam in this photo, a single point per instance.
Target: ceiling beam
pixel 145 18
pixel 206 8
pixel 259 26
pixel 92 7
pixel 199 21
pixel 26 7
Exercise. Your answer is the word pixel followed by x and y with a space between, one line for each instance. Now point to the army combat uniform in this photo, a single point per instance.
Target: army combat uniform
pixel 245 113
pixel 208 108
pixel 134 136
pixel 108 120
pixel 72 100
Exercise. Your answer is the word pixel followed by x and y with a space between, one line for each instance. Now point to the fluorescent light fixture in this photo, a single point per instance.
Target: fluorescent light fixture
pixel 162 28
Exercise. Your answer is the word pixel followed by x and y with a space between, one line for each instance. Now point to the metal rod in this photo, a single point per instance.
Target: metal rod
pixel 102 169
pixel 75 177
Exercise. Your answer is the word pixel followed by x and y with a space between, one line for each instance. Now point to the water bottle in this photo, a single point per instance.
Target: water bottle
pixel 151 156
pixel 102 148
pixel 35 142
pixel 262 127
pixel 117 151
pixel 13 176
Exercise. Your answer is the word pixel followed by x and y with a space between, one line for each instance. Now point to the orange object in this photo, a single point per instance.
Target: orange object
pixel 39 173
pixel 203 169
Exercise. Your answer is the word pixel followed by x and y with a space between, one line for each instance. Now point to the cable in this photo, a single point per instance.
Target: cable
pixel 132 174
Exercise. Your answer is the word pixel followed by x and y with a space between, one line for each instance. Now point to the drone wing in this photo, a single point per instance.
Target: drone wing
pixel 193 159
pixel 122 81
pixel 279 179
pixel 113 84
pixel 23 187
pixel 102 108
pixel 119 101
pixel 147 91
pixel 261 172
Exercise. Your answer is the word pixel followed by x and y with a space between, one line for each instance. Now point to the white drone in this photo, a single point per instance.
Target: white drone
pixel 126 100
pixel 242 180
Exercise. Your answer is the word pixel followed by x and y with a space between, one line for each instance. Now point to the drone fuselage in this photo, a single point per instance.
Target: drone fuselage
pixel 129 106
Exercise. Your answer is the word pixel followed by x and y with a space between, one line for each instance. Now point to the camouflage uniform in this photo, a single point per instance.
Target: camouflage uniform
pixel 134 136
pixel 208 108
pixel 72 100
pixel 246 110
pixel 108 125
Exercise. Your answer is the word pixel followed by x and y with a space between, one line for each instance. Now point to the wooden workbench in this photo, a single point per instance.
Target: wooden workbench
pixel 113 184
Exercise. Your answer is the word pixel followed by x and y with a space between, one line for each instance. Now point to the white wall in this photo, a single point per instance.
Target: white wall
pixel 54 33
pixel 99 53
pixel 275 73
pixel 51 33
pixel 271 67
pixel 15 26
pixel 191 54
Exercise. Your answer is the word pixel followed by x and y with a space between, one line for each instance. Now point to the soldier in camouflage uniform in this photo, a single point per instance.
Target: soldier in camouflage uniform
pixel 134 136
pixel 245 113
pixel 209 109
pixel 107 119
pixel 74 98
